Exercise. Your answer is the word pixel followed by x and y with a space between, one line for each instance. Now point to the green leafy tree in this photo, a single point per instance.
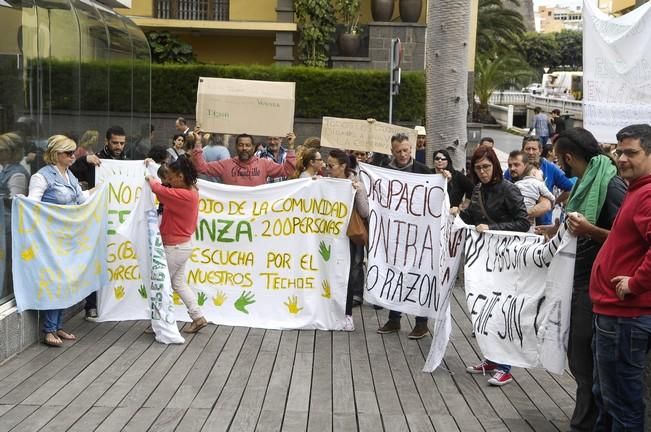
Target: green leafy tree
pixel 570 49
pixel 166 48
pixel 493 72
pixel 498 28
pixel 540 50
pixel 317 22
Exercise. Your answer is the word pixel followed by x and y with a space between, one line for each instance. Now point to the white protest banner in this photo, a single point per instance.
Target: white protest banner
pixel 404 240
pixel 141 227
pixel 125 181
pixel 518 291
pixel 273 256
pixel 58 252
pixel 452 241
pixel 245 106
pixel 373 136
pixel 616 70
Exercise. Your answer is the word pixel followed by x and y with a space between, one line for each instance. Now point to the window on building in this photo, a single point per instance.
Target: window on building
pixel 204 10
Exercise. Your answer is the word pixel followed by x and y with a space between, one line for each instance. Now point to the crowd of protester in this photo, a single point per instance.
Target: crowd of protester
pixel 571 180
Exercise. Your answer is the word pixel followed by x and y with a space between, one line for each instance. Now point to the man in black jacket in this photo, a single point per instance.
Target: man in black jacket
pixel 402 161
pixel 84 170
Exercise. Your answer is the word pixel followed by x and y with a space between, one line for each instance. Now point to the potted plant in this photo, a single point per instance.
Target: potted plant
pixel 350 39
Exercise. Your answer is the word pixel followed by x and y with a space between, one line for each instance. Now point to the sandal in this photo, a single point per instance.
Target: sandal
pixel 65 335
pixel 52 339
pixel 149 330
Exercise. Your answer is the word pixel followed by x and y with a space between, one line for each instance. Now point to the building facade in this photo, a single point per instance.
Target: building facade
pixel 556 19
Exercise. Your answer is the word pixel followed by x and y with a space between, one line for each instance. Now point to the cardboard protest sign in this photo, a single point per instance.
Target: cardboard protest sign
pixel 404 240
pixel 616 59
pixel 58 252
pixel 245 106
pixel 273 256
pixel 362 135
pixel 518 291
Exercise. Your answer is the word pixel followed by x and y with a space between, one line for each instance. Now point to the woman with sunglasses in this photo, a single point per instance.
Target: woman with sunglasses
pixel 496 204
pixel 308 164
pixel 341 165
pixel 458 184
pixel 56 184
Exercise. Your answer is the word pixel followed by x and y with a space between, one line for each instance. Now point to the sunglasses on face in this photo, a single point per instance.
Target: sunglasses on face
pixel 69 153
pixel 440 158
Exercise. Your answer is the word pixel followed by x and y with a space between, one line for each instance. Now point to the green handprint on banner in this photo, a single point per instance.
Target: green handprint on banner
pixel 324 251
pixel 201 298
pixel 143 291
pixel 243 301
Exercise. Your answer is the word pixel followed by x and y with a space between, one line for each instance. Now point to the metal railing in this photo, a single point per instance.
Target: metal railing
pixel 567 106
pixel 206 10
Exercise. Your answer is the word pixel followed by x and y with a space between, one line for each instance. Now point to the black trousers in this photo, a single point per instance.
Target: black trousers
pixel 356 276
pixel 579 355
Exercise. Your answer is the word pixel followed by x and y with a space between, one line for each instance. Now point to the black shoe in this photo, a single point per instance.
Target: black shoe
pixel 91 315
pixel 377 307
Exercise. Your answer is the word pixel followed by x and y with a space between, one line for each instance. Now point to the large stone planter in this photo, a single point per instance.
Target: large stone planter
pixel 382 10
pixel 410 10
pixel 349 44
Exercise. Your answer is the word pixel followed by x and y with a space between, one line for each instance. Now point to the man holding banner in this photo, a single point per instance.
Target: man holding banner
pixel 246 169
pixel 591 208
pixel 620 290
pixel 402 161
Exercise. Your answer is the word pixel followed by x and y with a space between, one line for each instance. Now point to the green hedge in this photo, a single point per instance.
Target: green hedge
pixel 319 92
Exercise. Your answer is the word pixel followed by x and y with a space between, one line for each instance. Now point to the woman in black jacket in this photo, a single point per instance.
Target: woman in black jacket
pixel 458 184
pixel 496 204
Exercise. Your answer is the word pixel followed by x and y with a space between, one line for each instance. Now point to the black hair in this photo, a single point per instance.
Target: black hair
pixel 579 142
pixel 344 159
pixel 158 153
pixel 115 130
pixel 184 166
pixel 548 149
pixel 637 131
pixel 177 135
pixel 445 153
pixel 243 135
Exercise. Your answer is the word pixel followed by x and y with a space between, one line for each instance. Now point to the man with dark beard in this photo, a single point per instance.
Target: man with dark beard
pixel 245 169
pixel 591 208
pixel 84 170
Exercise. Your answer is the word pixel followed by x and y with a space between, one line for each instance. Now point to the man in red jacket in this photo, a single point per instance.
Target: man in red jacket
pixel 620 290
pixel 246 169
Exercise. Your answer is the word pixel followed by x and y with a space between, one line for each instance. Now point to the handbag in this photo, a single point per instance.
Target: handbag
pixel 357 231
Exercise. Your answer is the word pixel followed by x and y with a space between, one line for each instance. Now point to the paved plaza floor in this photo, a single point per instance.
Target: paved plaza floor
pixel 115 377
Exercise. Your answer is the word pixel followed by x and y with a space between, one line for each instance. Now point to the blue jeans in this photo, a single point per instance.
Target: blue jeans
pixel 395 316
pixel 620 346
pixel 52 320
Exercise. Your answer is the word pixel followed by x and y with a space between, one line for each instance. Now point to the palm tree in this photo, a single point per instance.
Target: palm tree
pixel 498 28
pixel 496 72
pixel 446 76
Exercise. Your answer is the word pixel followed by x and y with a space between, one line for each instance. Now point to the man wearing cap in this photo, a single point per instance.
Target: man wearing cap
pixel 421 142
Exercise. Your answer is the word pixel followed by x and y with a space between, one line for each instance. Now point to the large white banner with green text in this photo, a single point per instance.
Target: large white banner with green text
pixel 272 256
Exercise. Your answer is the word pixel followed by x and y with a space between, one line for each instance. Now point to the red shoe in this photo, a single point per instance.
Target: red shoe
pixel 484 367
pixel 500 378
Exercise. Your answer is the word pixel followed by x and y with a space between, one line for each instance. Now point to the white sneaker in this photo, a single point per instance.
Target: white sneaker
pixel 349 325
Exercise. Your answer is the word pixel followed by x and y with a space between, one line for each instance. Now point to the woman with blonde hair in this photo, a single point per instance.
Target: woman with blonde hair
pixel 56 184
pixel 308 164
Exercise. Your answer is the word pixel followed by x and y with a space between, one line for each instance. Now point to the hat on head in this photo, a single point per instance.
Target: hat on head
pixel 420 130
